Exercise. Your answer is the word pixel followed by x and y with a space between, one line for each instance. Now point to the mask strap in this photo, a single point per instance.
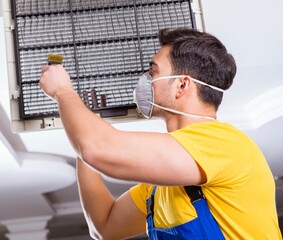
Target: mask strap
pixel 205 84
pixel 193 79
pixel 181 113
pixel 167 77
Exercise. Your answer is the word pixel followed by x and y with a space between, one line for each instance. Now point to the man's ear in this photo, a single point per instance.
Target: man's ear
pixel 182 86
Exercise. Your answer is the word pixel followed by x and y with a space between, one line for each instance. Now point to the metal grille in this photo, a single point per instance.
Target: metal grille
pixel 106 44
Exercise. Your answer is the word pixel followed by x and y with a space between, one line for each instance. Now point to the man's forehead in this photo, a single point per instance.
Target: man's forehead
pixel 162 57
pixel 164 51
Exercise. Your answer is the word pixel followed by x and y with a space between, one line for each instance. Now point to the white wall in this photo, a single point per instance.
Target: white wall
pixel 252 32
pixel 251 29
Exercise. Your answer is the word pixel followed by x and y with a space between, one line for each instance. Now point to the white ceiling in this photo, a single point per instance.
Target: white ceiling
pixel 37 174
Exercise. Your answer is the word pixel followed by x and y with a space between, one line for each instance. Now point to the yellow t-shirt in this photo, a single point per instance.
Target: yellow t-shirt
pixel 240 188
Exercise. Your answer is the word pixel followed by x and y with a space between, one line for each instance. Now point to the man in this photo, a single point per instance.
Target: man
pixel 184 86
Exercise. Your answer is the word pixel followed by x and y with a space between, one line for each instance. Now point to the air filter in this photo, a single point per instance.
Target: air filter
pixel 106 45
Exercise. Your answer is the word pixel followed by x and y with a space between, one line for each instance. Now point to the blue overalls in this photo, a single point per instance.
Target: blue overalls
pixel 204 227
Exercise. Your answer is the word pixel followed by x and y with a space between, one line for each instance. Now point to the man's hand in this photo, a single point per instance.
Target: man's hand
pixel 55 81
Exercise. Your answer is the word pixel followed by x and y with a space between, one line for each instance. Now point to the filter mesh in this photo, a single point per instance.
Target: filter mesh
pixel 106 46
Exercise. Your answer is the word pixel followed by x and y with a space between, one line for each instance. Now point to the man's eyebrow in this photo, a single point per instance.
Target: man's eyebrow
pixel 152 63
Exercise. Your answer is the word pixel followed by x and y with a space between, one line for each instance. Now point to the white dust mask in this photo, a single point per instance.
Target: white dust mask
pixel 144 96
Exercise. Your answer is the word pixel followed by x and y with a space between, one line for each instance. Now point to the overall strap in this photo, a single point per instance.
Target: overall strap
pixel 149 217
pixel 194 192
pixel 212 229
pixel 150 203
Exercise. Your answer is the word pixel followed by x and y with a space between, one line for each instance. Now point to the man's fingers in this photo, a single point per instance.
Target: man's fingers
pixel 44 68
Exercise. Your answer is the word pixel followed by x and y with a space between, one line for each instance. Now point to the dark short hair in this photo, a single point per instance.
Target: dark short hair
pixel 201 56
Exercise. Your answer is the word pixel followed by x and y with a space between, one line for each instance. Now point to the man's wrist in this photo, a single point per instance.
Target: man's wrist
pixel 63 93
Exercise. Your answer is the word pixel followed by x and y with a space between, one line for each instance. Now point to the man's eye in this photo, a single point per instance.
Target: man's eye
pixel 151 72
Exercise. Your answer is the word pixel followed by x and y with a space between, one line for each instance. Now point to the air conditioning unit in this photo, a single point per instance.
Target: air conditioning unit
pixel 106 45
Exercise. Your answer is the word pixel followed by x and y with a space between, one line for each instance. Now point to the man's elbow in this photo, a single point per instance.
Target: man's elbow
pixel 91 155
pixel 95 235
pixel 95 232
pixel 100 157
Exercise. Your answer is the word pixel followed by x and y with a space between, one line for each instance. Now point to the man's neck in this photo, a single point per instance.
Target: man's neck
pixel 175 122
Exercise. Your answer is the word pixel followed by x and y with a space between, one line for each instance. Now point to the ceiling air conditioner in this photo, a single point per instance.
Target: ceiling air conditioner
pixel 106 45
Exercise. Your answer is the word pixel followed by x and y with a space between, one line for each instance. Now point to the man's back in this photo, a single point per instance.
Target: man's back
pixel 239 189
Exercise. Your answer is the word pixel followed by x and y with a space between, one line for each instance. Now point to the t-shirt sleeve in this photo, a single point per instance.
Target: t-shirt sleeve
pixel 186 143
pixel 139 196
pixel 222 152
